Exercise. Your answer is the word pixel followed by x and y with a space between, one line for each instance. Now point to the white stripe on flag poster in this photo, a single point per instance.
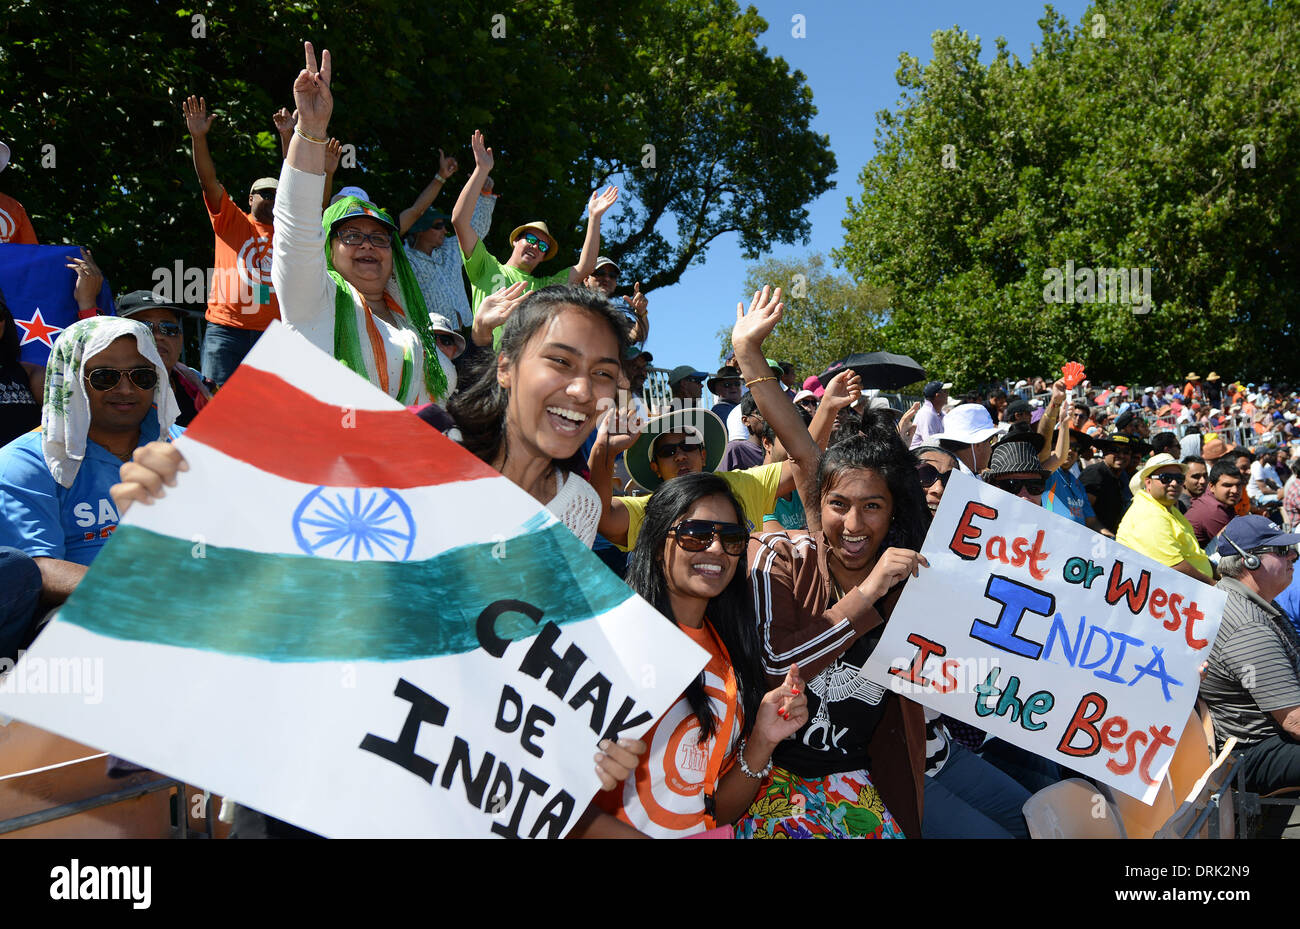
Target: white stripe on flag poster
pixel 259 513
pixel 280 351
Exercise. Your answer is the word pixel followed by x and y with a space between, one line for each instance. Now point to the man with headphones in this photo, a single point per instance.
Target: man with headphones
pixel 1252 684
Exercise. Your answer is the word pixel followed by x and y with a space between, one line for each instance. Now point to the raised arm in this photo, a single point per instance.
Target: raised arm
pixel 446 168
pixel 597 205
pixel 843 391
pixel 773 403
pixel 333 152
pixel 1050 456
pixel 638 302
pixel 614 521
pixel 463 211
pixel 284 123
pixel 199 122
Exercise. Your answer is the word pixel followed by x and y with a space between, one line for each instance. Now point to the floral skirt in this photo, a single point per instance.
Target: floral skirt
pixel 839 806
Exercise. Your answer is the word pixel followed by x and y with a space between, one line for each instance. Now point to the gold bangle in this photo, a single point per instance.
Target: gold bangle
pixel 310 138
pixel 759 380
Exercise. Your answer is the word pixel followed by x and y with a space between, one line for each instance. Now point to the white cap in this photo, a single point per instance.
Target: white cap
pixel 969 423
pixel 1020 384
pixel 350 192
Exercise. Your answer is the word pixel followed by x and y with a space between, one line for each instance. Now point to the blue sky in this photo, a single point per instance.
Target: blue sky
pixel 848 56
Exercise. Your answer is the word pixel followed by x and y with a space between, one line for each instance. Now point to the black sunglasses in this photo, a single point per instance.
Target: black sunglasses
pixel 1168 479
pixel 157 328
pixel 928 474
pixel 445 340
pixel 696 535
pixel 670 449
pixel 108 378
pixel 1012 485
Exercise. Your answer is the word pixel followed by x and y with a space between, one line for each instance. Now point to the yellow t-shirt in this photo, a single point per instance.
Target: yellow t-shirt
pixel 755 488
pixel 1161 533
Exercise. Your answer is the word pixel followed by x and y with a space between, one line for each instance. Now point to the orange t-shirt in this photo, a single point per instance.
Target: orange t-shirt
pixel 15 227
pixel 242 296
pixel 664 797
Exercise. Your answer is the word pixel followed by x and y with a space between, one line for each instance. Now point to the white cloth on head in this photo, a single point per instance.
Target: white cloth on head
pixel 65 413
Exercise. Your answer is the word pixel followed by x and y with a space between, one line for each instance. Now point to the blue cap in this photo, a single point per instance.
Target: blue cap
pixel 1251 532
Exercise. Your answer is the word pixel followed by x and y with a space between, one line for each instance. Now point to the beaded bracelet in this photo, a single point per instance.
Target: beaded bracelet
pixel 745 767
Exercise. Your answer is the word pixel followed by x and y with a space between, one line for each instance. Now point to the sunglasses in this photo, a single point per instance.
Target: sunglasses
pixel 439 225
pixel 157 328
pixel 542 245
pixel 1013 485
pixel 377 239
pixel 1168 479
pixel 605 272
pixel 1281 550
pixel 928 474
pixel 696 535
pixel 670 449
pixel 266 194
pixel 445 340
pixel 108 378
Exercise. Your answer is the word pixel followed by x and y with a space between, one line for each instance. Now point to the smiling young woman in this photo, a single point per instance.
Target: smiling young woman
pixel 710 750
pixel 822 600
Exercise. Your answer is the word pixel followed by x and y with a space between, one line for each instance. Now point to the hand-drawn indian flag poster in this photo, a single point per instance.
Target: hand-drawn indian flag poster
pixel 345 620
pixel 1050 636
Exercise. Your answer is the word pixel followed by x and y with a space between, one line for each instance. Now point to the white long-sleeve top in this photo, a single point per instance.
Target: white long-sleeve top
pixel 307 292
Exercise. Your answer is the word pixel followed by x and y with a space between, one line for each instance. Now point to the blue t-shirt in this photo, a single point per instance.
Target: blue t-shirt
pixel 1289 601
pixel 46 520
pixel 1065 496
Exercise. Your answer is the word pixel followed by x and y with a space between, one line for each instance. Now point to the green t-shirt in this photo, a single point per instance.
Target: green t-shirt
pixel 487 275
pixel 755 488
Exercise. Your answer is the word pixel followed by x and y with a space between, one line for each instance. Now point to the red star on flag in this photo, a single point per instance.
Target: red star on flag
pixel 37 329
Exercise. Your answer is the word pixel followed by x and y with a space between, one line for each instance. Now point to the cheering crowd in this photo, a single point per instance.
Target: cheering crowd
pixel 775 525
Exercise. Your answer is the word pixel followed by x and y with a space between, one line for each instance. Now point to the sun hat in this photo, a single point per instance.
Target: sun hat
pixel 543 232
pixel 698 424
pixel 968 423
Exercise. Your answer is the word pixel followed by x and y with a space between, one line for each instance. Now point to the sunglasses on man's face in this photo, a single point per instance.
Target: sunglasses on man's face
pixel 1168 479
pixel 541 244
pixel 928 474
pixel 157 328
pixel 696 535
pixel 667 450
pixel 268 194
pixel 107 378
pixel 1013 485
pixel 445 340
pixel 606 272
pixel 439 225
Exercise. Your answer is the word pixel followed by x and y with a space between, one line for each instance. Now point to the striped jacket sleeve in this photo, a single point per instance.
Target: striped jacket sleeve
pixel 794 623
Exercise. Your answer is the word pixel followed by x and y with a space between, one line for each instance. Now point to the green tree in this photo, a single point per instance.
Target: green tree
pixel 827 314
pixel 1152 135
pixel 567 92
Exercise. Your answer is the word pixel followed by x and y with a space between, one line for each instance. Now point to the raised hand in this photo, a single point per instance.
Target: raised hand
pixel 907 424
pixel 284 120
pixel 446 165
pixel 496 309
pixel 89 280
pixel 333 151
pixel 783 710
pixel 620 428
pixel 311 93
pixel 844 390
pixel 753 327
pixel 197 119
pixel 599 202
pixel 638 300
pixel 483 157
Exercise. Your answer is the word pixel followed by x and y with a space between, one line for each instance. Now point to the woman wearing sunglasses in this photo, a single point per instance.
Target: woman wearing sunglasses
pixel 711 749
pixel 340 280
pixel 854 770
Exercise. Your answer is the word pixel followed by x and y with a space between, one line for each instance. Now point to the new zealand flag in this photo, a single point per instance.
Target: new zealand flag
pixel 37 286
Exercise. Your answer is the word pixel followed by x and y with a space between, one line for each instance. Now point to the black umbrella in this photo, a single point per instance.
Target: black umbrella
pixel 878 370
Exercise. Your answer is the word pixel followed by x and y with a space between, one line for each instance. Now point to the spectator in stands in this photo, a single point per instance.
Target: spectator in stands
pixel 1065 493
pixel 1215 508
pixel 1104 481
pixel 690 564
pixel 1018 411
pixel 1153 525
pixel 821 600
pixel 995 403
pixel 1166 443
pixel 106 395
pixel 191 389
pixel 243 301
pixel 1265 484
pixel 934 465
pixel 432 250
pixel 1291 497
pixel 747 454
pixel 727 385
pixel 15 227
pixel 686 385
pixel 1196 480
pixel 968 432
pixel 929 419
pixel 1252 684
pixel 532 243
pixel 605 279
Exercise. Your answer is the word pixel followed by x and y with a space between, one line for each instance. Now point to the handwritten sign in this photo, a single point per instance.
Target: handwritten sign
pixel 1051 637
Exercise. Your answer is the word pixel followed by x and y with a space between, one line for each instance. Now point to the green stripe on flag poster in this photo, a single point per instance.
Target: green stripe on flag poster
pixel 284 607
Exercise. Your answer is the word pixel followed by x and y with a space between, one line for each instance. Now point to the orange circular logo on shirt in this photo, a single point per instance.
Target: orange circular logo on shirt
pixel 7 226
pixel 254 260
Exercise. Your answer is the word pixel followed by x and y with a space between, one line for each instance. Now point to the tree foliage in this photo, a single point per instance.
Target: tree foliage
pixel 567 92
pixel 1154 134
pixel 827 314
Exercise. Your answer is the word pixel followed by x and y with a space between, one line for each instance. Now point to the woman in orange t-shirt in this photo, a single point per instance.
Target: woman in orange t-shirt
pixel 712 748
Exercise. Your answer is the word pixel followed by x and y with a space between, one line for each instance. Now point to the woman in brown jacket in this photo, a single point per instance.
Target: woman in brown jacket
pixel 855 769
